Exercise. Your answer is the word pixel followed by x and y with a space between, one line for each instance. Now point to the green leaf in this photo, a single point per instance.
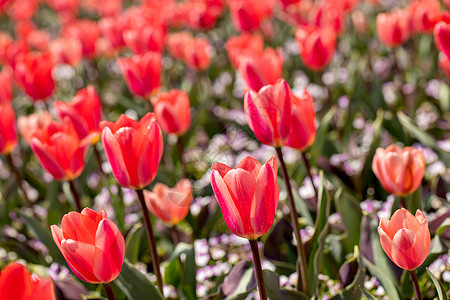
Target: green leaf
pixel 440 290
pixel 443 227
pixel 322 134
pixel 181 270
pixel 351 291
pixel 44 235
pixel 350 211
pixel 133 243
pixel 367 293
pixel 135 285
pixel 293 295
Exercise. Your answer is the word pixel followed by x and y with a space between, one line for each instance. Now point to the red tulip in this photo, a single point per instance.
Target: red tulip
pixel 248 195
pixel 8 131
pixel 444 64
pixel 317 46
pixel 134 149
pixel 197 54
pixel 34 73
pixel 400 171
pixel 92 245
pixel 405 238
pixel 446 3
pixel 201 14
pixel 22 10
pixel 87 32
pixel 303 128
pixel 33 123
pixel 16 283
pixel 268 113
pixel 85 112
pixel 66 51
pixel 176 43
pixel 171 205
pixel 59 150
pixel 6 85
pixel 263 69
pixel 5 41
pixel 172 111
pixel 393 28
pixel 142 73
pixel 424 15
pixel 249 15
pixel 442 37
pixel 15 50
pixel 148 37
pixel 112 28
pixel 243 45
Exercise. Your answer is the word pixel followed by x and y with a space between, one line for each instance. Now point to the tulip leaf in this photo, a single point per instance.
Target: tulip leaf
pixel 440 290
pixel 44 235
pixel 135 285
pixel 293 295
pixel 272 282
pixel 422 136
pixel 133 243
pixel 367 294
pixel 443 227
pixel 350 211
pixel 181 270
pixel 346 273
pixel 322 134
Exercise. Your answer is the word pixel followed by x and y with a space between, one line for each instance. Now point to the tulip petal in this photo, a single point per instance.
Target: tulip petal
pixel 115 157
pixel 14 282
pixel 57 235
pixel 250 164
pixel 109 251
pixel 47 161
pixel 152 148
pixel 78 227
pixel 221 168
pixel 386 242
pixel 407 251
pixel 401 219
pixel 80 257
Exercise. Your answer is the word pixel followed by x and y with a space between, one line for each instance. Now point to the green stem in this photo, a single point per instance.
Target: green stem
pixel 416 284
pixel 75 195
pixel 308 170
pixel 109 291
pixel 302 284
pixel 258 269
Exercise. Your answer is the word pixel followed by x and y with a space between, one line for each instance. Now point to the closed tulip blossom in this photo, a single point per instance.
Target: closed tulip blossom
pixel 142 73
pixel 171 205
pixel 317 46
pixel 400 171
pixel 261 69
pixel 172 111
pixel 145 37
pixel 424 15
pixel 92 245
pixel 134 149
pixel 242 45
pixel 197 54
pixel 66 51
pixel 34 74
pixel 32 123
pixel 59 150
pixel 303 127
pixel 84 111
pixel 441 34
pixel 8 131
pixel 250 15
pixel 393 28
pixel 248 195
pixel 268 113
pixel 405 238
pixel 18 284
pixel 87 32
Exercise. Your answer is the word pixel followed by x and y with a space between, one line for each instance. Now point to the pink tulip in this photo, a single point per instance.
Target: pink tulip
pixel 393 28
pixel 405 238
pixel 92 245
pixel 248 195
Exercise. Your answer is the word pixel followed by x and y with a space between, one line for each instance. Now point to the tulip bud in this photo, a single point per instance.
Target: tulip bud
pixel 8 131
pixel 134 149
pixel 393 28
pixel 92 245
pixel 172 111
pixel 263 69
pixel 405 238
pixel 171 205
pixel 268 113
pixel 85 112
pixel 248 195
pixel 317 46
pixel 141 39
pixel 112 28
pixel 59 150
pixel 303 127
pixel 197 54
pixel 424 15
pixel 400 171
pixel 18 284
pixel 34 73
pixel 142 73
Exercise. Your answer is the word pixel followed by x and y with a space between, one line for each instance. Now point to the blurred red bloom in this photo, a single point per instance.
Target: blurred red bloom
pixel 441 34
pixel 145 37
pixel 317 46
pixel 8 130
pixel 243 45
pixel 393 28
pixel 87 32
pixel 33 123
pixel 424 15
pixel 249 15
pixel 66 51
pixel 195 52
pixel 444 64
pixel 34 73
pixel 18 284
pixel 6 84
pixel 172 111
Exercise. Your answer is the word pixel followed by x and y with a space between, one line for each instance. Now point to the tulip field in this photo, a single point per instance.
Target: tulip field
pixel 224 149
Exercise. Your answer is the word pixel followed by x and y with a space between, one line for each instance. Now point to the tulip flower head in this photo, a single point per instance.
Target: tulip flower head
pixel 424 15
pixel 32 123
pixel 18 284
pixel 142 73
pixel 87 32
pixel 441 34
pixel 242 45
pixel 249 15
pixel 172 111
pixel 92 245
pixel 405 238
pixel 393 28
pixel 400 171
pixel 444 65
pixel 59 150
pixel 171 205
pixel 84 111
pixel 248 195
pixel 8 130
pixel 268 113
pixel 134 149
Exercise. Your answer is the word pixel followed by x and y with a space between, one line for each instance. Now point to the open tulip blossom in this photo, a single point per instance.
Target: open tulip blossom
pixel 224 149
